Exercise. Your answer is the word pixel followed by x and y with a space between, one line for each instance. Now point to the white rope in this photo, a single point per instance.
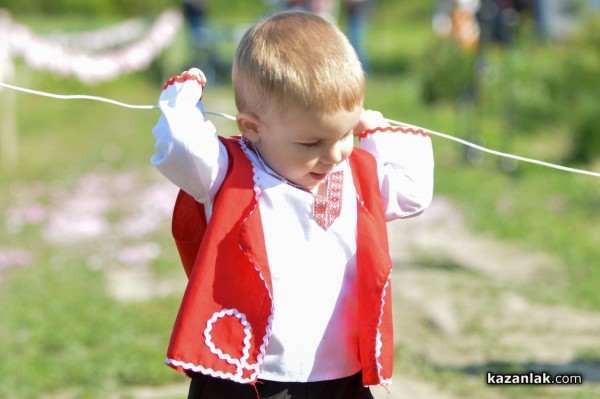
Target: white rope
pixel 101 99
pixel 222 115
pixel 77 97
pixel 230 117
pixel 502 154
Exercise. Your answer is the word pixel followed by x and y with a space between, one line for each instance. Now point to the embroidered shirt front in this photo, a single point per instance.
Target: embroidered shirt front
pixel 314 334
pixel 327 209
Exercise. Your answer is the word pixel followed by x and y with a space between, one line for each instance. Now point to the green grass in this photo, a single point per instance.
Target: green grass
pixel 61 330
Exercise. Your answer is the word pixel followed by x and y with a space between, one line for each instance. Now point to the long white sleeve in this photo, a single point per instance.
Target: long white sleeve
pixel 405 167
pixel 188 151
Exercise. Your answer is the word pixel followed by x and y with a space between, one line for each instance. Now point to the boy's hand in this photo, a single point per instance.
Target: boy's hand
pixel 183 90
pixel 369 119
pixel 197 73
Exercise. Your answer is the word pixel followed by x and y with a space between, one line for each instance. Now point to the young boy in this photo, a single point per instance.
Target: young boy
pixel 282 231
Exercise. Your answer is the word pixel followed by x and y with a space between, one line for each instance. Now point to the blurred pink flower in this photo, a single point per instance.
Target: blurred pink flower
pixel 14 257
pixel 140 254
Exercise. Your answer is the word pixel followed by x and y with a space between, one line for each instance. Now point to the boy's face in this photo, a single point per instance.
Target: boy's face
pixel 303 146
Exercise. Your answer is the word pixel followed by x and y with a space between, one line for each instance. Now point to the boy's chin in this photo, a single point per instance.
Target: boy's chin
pixel 306 183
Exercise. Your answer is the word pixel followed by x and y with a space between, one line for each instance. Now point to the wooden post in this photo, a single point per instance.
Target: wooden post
pixel 9 141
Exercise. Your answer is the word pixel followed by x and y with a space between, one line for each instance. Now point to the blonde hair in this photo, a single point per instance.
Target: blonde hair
pixel 296 59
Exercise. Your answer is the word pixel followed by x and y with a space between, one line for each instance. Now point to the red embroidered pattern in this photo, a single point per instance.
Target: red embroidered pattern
pixel 326 210
pixel 394 129
pixel 181 79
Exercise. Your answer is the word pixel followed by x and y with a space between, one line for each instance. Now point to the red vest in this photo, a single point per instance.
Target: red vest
pixel 223 325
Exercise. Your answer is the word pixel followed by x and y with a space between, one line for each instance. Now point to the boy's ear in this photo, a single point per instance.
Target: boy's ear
pixel 248 124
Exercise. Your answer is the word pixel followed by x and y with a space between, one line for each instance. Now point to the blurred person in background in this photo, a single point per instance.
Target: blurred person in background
pixel 325 8
pixel 357 14
pixel 196 13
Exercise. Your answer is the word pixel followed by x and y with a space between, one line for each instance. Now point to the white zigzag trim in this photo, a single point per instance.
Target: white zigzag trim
pixel 241 363
pixel 208 371
pixel 258 191
pixel 379 342
pixel 255 176
pixel 386 381
pixel 267 336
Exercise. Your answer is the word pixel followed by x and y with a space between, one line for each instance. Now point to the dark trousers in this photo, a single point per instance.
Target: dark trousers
pixel 205 387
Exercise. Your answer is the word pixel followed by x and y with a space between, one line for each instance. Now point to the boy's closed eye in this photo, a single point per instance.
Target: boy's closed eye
pixel 317 142
pixel 312 144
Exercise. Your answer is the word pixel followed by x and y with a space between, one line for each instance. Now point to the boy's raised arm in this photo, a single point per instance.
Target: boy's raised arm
pixel 188 151
pixel 405 165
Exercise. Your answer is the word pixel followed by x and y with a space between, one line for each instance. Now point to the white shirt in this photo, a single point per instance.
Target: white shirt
pixel 313 272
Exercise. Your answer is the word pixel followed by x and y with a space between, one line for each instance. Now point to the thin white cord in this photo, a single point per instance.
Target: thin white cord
pixel 230 117
pixel 502 154
pixel 222 115
pixel 77 97
pixel 101 99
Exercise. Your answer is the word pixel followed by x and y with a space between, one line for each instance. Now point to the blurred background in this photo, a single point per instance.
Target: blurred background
pixel 502 274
